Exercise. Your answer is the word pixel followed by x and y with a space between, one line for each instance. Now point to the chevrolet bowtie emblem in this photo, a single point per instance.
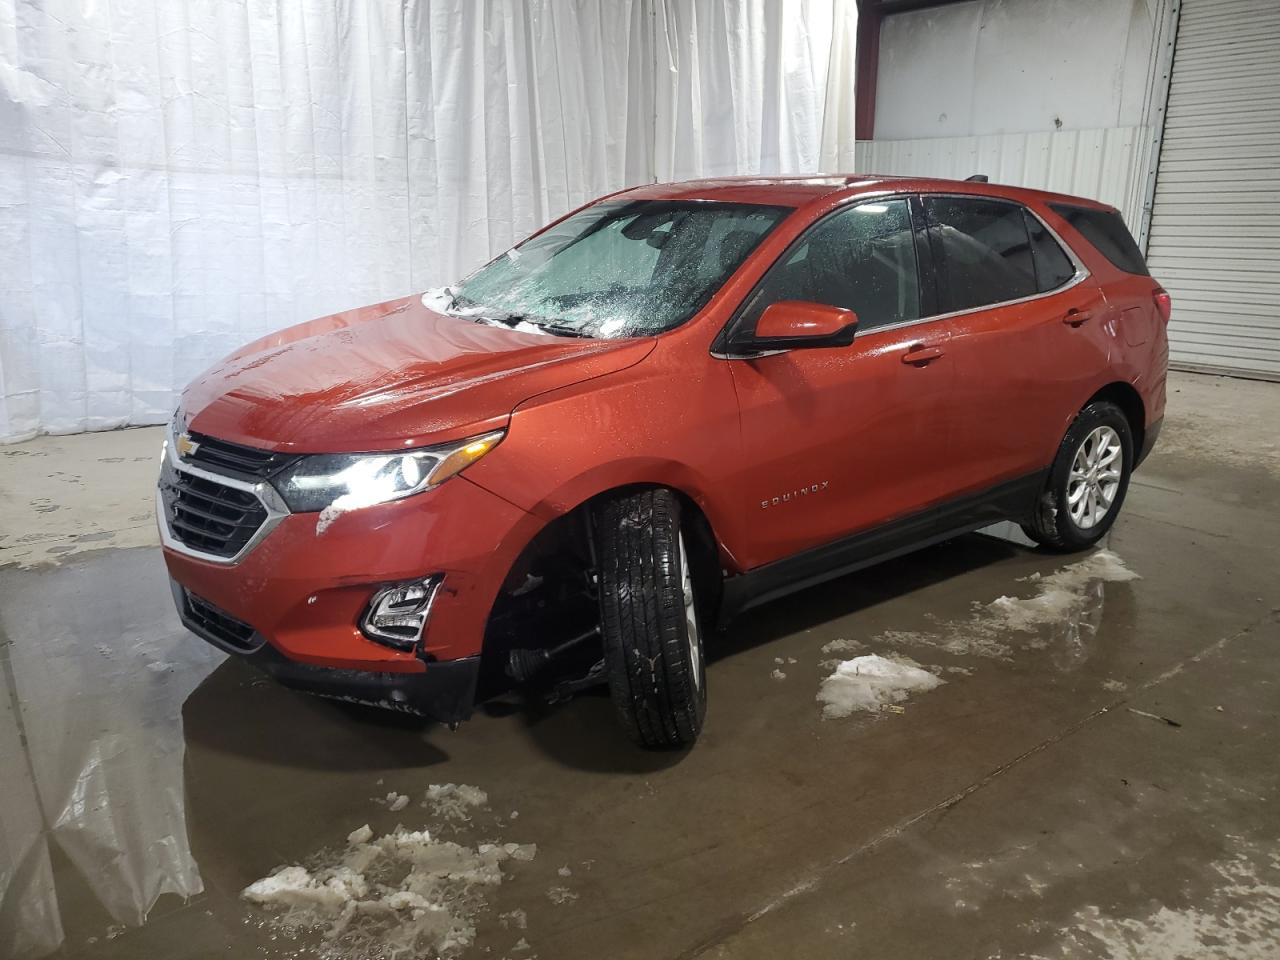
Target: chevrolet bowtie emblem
pixel 186 446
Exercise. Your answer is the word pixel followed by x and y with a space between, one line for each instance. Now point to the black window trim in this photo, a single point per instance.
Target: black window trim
pixel 719 345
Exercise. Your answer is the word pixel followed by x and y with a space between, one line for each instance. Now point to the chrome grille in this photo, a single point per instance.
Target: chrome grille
pixel 207 515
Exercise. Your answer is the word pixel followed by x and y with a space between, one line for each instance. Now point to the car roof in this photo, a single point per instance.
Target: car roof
pixel 796 191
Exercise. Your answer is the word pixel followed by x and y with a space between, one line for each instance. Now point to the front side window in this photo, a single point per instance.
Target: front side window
pixel 982 251
pixel 619 268
pixel 862 258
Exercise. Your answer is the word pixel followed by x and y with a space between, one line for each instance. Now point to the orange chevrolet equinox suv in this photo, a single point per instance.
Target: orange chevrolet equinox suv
pixel 673 404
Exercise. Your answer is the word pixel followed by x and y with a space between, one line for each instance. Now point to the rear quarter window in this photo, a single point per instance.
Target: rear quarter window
pixel 1106 231
pixel 1053 267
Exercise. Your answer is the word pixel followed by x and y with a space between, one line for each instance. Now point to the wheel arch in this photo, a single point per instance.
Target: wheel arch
pixel 1126 397
pixel 569 529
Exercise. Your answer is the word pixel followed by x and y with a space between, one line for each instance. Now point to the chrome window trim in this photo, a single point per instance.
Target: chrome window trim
pixel 266 494
pixel 1082 273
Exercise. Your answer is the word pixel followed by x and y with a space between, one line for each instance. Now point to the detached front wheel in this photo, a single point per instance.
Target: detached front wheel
pixel 650 619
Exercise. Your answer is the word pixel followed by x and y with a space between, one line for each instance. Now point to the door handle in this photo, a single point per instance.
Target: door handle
pixel 919 355
pixel 1074 317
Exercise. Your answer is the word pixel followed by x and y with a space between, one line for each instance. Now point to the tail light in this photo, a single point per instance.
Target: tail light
pixel 1163 302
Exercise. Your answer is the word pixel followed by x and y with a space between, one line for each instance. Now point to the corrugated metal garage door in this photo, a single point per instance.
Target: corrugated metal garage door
pixel 1215 227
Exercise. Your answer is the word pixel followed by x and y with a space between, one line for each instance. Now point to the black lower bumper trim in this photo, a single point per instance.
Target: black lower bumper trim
pixel 445 692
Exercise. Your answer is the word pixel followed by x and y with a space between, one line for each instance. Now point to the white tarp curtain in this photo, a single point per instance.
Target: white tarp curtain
pixel 177 178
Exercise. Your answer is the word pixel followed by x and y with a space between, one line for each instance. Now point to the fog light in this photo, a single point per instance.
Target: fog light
pixel 397 614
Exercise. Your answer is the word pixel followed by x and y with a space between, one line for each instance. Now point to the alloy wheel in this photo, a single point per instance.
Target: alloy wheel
pixel 1094 479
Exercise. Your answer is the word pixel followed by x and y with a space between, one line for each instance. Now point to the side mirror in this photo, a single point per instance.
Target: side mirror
pixel 798 325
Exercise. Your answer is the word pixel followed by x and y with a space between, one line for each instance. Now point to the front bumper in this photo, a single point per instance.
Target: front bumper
pixel 304 587
pixel 445 691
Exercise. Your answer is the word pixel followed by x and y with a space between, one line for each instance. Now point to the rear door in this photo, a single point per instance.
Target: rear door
pixel 839 440
pixel 1027 335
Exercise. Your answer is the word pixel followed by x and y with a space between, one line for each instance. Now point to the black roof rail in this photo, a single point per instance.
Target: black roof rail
pixel 978 178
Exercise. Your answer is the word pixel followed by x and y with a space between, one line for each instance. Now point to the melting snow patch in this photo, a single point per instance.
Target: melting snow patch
pixel 455 801
pixel 344 504
pixel 405 894
pixel 560 895
pixel 439 299
pixel 843 645
pixel 1063 600
pixel 443 300
pixel 401 894
pixel 1237 921
pixel 1059 594
pixel 514 918
pixel 870 683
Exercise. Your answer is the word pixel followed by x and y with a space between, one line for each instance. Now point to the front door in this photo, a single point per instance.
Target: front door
pixel 839 440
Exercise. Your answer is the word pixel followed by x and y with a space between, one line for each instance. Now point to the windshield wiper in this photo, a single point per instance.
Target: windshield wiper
pixel 560 329
pixel 513 320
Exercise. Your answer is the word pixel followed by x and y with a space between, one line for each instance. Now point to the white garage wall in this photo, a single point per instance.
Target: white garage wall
pixel 1013 66
pixel 179 178
pixel 1107 164
pixel 1060 95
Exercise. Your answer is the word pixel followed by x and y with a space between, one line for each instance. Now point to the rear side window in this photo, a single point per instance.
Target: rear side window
pixel 982 250
pixel 1106 231
pixel 1053 266
pixel 862 258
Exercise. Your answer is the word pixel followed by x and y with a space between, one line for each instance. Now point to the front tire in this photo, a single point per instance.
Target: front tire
pixel 650 619
pixel 1087 482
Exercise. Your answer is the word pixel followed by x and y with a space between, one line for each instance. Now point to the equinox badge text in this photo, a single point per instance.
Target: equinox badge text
pixel 794 495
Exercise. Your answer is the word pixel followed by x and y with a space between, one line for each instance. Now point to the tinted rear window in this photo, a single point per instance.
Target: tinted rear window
pixel 1106 231
pixel 983 251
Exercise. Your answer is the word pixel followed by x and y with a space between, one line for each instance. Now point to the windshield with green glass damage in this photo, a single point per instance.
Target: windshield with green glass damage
pixel 615 269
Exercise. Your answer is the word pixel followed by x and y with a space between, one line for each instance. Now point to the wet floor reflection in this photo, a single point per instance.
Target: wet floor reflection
pixel 95 669
pixel 136 761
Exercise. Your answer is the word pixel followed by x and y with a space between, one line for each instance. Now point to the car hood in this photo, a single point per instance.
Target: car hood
pixel 388 376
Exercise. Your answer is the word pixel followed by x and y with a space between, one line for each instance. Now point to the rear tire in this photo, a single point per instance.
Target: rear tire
pixel 650 619
pixel 1087 482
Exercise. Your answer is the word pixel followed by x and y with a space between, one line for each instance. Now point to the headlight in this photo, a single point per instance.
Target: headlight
pixel 348 481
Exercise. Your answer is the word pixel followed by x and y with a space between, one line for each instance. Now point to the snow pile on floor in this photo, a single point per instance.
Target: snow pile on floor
pixel 1066 601
pixel 1058 595
pixel 400 894
pixel 870 683
pixel 454 801
pixel 404 894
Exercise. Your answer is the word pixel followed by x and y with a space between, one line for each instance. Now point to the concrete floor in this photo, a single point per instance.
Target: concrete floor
pixel 1035 805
